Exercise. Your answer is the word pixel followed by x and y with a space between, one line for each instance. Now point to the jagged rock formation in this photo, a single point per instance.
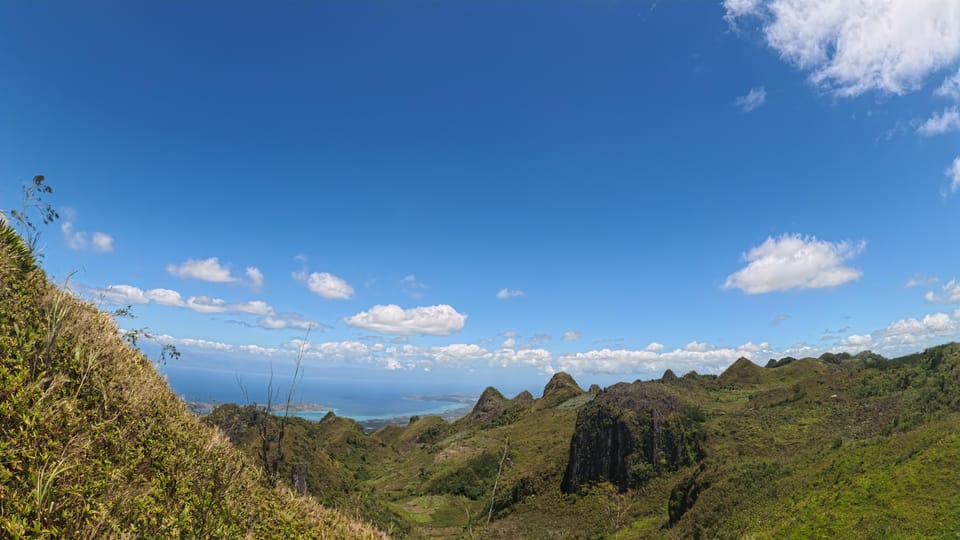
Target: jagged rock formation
pixel 669 376
pixel 630 433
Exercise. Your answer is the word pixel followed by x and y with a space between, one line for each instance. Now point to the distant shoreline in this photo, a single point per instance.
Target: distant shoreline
pixel 461 404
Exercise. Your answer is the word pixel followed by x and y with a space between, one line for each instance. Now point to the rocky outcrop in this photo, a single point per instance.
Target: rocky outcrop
pixel 560 388
pixel 685 494
pixel 493 409
pixel 631 433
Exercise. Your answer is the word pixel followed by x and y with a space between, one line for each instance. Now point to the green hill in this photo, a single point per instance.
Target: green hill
pixel 840 446
pixel 94 444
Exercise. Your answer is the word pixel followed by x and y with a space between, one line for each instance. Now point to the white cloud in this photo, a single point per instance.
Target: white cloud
pixel 851 47
pixel 917 332
pixel 194 343
pixel 102 242
pixel 509 343
pixel 78 240
pixel 921 279
pixel 704 360
pixel 857 341
pixel 952 289
pixel 950 88
pixel 654 347
pixel 286 321
pixel 255 276
pixel 165 297
pixel 257 350
pixel 458 352
pixel 203 269
pixel 505 293
pixel 74 239
pixel 938 124
pixel 795 262
pixel 538 358
pixel 951 295
pixel 439 320
pixel 128 294
pixel 326 285
pixel 696 346
pixel 953 173
pixel 754 99
pixel 570 335
pixel 122 294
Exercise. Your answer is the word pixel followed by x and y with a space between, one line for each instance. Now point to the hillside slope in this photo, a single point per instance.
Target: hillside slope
pixel 94 444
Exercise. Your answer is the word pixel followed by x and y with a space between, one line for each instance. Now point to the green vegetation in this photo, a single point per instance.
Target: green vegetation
pixel 93 443
pixel 853 446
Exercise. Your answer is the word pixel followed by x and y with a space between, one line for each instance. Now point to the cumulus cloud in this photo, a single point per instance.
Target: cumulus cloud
pixel 506 293
pixel 539 358
pixel 255 276
pixel 654 347
pixel 917 332
pixel 570 335
pixel 439 320
pixel 326 285
pixel 938 124
pixel 203 269
pixel 795 262
pixel 753 99
pixel 854 47
pixel 699 358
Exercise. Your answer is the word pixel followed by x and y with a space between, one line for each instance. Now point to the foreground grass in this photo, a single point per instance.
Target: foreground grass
pixel 94 444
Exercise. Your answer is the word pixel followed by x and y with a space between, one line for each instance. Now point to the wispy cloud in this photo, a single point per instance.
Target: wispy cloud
pixel 505 293
pixel 938 124
pixel 79 240
pixel 753 99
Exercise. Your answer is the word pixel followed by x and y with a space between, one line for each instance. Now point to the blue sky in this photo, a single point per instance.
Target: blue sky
pixel 493 191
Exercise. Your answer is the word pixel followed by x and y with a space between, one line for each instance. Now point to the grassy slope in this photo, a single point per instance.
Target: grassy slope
pixel 93 443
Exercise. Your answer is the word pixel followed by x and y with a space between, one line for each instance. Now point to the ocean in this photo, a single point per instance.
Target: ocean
pixel 361 399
